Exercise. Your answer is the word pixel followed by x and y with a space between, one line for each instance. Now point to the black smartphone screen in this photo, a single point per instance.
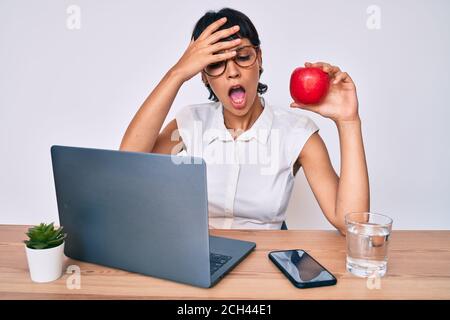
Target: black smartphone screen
pixel 302 269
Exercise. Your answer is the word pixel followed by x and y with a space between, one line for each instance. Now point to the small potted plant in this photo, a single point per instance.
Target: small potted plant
pixel 45 252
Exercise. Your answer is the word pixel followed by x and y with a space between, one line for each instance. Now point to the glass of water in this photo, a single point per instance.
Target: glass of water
pixel 367 243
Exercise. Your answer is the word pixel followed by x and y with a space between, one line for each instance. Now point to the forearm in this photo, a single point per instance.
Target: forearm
pixel 353 188
pixel 144 129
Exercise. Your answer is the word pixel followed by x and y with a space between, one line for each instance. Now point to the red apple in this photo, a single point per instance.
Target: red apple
pixel 309 85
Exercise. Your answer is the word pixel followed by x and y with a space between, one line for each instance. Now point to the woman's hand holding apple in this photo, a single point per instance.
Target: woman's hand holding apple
pixel 339 101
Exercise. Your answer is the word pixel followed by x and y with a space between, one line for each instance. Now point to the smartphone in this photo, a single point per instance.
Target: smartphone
pixel 302 269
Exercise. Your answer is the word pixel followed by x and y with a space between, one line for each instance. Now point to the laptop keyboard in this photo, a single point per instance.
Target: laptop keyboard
pixel 217 261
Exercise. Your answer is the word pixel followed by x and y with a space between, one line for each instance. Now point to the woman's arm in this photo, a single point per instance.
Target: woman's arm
pixel 336 195
pixel 353 194
pixel 143 131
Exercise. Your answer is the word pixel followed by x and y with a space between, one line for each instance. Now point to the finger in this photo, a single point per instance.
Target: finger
pixel 216 36
pixel 211 28
pixel 222 56
pixel 295 105
pixel 326 67
pixel 320 64
pixel 341 76
pixel 308 64
pixel 224 45
pixel 311 107
pixel 331 70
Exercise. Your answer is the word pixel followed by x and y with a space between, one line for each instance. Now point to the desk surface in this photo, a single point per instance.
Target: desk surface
pixel 418 268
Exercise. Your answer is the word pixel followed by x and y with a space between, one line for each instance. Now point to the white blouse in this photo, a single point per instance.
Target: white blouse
pixel 250 178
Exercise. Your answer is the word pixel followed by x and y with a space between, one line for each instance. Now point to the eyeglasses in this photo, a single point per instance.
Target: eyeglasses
pixel 245 57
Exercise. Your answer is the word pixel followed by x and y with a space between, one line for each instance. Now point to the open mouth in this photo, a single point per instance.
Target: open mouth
pixel 237 96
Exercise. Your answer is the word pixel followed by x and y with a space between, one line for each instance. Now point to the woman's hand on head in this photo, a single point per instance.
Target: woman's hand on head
pixel 341 102
pixel 202 51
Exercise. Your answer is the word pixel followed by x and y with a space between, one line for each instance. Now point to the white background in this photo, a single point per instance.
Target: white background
pixel 82 87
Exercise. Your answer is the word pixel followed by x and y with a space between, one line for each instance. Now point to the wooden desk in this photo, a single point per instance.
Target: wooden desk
pixel 418 268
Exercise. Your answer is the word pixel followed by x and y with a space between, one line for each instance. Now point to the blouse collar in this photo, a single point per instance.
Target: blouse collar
pixel 260 130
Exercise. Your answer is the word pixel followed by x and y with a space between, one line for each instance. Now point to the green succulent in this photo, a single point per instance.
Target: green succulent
pixel 44 236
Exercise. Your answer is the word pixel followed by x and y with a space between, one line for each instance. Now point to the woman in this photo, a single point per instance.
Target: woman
pixel 225 49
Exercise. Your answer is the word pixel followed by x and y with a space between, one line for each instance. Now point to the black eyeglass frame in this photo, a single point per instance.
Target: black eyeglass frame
pixel 234 60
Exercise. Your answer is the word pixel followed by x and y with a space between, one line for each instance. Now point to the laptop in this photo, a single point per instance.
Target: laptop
pixel 141 212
